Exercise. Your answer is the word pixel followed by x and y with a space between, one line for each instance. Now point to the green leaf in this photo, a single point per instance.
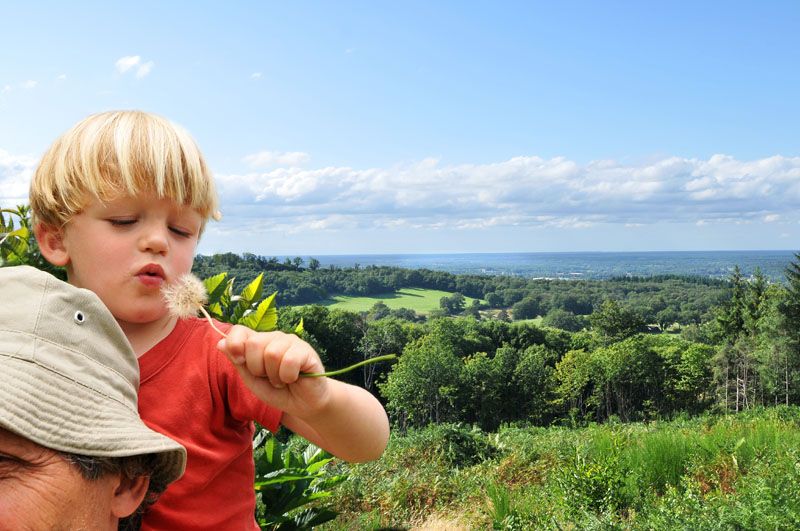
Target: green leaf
pixel 215 286
pixel 264 318
pixel 218 288
pixel 250 294
pixel 281 476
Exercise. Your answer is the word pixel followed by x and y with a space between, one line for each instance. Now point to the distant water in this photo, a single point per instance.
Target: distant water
pixel 590 265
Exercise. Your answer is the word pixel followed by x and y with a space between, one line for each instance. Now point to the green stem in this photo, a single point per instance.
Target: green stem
pixel 350 368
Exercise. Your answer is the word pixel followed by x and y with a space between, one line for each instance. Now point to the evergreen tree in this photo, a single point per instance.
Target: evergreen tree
pixel 790 310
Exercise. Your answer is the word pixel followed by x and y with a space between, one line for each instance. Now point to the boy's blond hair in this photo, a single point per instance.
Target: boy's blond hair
pixel 120 153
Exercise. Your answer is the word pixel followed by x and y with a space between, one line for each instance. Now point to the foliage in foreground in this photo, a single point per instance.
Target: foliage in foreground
pixel 289 484
pixel 17 242
pixel 710 472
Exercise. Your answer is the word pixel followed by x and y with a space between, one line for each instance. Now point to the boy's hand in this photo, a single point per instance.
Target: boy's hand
pixel 270 364
pixel 344 419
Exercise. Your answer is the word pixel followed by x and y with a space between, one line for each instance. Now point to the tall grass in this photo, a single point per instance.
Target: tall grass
pixel 710 472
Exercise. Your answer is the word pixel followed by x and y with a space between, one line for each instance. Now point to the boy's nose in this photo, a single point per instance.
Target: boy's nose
pixel 154 241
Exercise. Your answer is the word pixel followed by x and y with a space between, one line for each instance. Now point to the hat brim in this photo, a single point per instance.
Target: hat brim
pixel 58 413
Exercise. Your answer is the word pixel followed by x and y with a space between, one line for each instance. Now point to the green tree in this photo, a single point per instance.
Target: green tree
pixel 790 311
pixel 387 336
pixel 473 310
pixel 378 311
pixel 481 392
pixel 564 320
pixel 421 387
pixel 616 322
pixel 732 314
pixel 534 383
pixel 527 308
pixel 453 304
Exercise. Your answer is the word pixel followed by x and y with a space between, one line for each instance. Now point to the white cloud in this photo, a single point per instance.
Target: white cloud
pixel 29 84
pixel 256 75
pixel 124 64
pixel 144 69
pixel 62 77
pixel 522 191
pixel 130 62
pixel 265 159
pixel 15 177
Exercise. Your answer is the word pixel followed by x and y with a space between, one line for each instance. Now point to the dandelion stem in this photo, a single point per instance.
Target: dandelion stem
pixel 350 368
pixel 211 322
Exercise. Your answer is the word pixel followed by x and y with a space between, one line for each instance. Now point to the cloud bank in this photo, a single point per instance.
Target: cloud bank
pixel 519 193
pixel 522 191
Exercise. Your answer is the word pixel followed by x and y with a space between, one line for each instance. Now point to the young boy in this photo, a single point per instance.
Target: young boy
pixel 120 201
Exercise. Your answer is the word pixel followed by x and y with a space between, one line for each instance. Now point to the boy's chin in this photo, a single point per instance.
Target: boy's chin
pixel 143 317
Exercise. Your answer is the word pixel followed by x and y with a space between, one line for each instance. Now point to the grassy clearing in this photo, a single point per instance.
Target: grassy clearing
pixel 711 472
pixel 420 300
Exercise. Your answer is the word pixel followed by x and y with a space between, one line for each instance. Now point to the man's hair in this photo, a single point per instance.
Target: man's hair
pixel 131 467
pixel 120 153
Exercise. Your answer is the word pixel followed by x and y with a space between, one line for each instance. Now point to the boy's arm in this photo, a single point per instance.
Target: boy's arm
pixel 343 419
pixel 353 426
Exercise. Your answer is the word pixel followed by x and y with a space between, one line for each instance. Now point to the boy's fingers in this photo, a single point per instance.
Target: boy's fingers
pixel 235 344
pixel 293 362
pixel 271 355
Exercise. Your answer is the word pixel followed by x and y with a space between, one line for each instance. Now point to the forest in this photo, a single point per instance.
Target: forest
pixel 626 348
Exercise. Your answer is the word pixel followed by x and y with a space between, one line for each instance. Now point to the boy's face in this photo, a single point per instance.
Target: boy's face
pixel 125 250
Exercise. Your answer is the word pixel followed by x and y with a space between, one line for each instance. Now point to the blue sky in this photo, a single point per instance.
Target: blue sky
pixel 378 127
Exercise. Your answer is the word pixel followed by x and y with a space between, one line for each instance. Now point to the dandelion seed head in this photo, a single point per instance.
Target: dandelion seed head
pixel 185 296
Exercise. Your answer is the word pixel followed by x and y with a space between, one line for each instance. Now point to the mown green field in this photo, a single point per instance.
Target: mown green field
pixel 420 300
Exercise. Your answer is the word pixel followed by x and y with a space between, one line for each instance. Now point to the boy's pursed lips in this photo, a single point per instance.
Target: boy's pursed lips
pixel 151 275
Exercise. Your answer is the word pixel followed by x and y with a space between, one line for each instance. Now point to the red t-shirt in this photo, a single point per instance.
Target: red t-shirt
pixel 191 392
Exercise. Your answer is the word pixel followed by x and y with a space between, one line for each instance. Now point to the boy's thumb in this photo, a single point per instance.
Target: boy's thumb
pixel 222 345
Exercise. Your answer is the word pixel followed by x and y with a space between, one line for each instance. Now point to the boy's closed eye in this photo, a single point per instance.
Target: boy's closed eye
pixel 181 232
pixel 121 222
pixel 124 222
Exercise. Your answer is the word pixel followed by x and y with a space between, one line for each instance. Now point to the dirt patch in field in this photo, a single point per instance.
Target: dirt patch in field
pixel 442 523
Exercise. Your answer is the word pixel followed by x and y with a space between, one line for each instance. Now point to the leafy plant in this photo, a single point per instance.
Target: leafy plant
pixel 247 308
pixel 287 484
pixel 17 243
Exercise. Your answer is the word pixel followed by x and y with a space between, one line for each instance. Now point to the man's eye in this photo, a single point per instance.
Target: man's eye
pixel 8 462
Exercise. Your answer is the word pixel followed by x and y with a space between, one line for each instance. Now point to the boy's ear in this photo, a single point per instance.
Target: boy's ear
pixel 51 244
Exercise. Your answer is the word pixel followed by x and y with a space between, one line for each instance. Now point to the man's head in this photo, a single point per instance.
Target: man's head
pixel 120 153
pixel 72 445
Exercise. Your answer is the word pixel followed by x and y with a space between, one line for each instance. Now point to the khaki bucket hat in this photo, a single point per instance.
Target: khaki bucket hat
pixel 68 376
